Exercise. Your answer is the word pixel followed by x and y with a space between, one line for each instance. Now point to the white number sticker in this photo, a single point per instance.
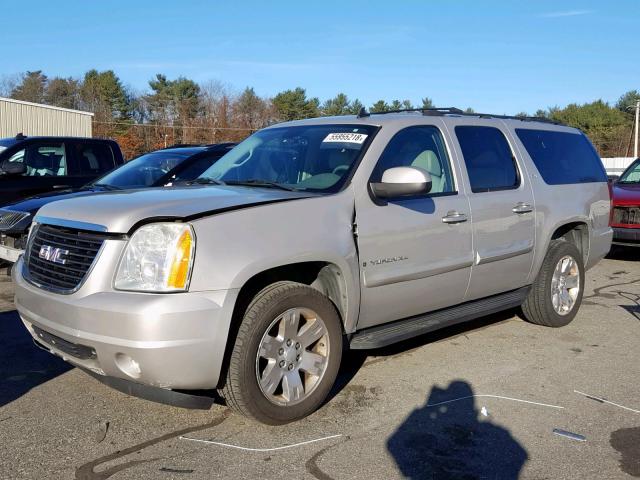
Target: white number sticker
pixel 346 137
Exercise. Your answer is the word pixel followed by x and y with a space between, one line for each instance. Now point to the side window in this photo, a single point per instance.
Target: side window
pixel 422 147
pixel 562 157
pixel 488 157
pixel 94 158
pixel 197 167
pixel 42 160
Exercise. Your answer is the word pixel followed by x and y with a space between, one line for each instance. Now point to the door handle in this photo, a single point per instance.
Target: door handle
pixel 522 207
pixel 454 217
pixel 60 187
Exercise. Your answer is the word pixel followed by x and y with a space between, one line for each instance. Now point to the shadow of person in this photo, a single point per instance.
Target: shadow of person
pixel 23 366
pixel 445 439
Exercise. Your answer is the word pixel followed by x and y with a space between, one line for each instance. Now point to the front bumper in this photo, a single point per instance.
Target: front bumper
pixel 626 236
pixel 172 341
pixel 10 254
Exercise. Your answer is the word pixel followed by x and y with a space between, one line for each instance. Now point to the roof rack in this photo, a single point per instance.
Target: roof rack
pixel 441 111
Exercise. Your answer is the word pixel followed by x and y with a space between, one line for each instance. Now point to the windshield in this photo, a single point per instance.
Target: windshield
pixel 313 157
pixel 143 171
pixel 632 174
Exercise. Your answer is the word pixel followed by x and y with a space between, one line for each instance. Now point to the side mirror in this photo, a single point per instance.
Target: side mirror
pixel 402 182
pixel 13 168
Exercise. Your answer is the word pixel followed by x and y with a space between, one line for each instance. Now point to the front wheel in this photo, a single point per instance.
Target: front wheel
pixel 286 355
pixel 556 295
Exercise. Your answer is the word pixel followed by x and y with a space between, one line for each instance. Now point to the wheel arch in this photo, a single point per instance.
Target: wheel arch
pixel 325 276
pixel 576 232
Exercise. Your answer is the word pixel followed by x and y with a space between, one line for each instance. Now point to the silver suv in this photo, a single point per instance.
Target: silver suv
pixel 311 237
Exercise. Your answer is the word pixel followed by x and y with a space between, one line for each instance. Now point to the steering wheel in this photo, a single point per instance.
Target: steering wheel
pixel 340 169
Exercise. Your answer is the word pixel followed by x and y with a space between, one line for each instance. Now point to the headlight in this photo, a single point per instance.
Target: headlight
pixel 158 258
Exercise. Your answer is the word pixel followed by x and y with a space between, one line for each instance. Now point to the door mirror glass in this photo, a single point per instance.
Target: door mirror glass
pixel 402 182
pixel 13 168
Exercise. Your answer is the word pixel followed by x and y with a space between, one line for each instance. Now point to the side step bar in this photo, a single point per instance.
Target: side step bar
pixel 386 334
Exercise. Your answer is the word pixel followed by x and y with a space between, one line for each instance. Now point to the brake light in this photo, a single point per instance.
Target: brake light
pixel 610 203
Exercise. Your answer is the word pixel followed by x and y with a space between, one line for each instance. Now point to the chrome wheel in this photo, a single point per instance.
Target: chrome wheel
pixel 565 285
pixel 292 356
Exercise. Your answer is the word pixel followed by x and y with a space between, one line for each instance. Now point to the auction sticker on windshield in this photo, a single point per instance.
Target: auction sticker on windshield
pixel 346 137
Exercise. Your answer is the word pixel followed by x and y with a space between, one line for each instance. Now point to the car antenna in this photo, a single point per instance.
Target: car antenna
pixel 21 136
pixel 363 113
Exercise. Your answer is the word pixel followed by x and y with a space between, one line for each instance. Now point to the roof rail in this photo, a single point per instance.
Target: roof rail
pixel 183 145
pixel 441 111
pixel 221 145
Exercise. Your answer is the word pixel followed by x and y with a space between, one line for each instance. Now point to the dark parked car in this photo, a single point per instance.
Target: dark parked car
pixel 155 169
pixel 33 165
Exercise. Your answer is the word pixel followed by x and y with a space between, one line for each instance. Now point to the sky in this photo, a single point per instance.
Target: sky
pixel 493 56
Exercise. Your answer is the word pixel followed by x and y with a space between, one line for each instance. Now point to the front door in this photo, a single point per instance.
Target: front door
pixel 46 165
pixel 415 253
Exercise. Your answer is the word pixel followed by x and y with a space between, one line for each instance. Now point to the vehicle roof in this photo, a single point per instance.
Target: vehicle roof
pixel 13 140
pixel 193 149
pixel 403 118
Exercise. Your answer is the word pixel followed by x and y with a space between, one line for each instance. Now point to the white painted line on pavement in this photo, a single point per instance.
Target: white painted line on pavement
pixel 246 449
pixel 493 396
pixel 598 399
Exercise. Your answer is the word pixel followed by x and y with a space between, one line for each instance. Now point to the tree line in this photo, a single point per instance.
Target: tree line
pixel 182 111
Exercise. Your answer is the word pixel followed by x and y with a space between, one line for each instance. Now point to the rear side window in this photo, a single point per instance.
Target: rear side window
pixel 94 158
pixel 488 157
pixel 561 157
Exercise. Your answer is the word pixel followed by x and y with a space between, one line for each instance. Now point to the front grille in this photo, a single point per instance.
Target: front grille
pixel 75 252
pixel 9 218
pixel 626 215
pixel 74 349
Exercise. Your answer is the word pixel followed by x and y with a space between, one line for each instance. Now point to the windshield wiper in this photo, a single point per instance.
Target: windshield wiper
pixel 262 183
pixel 105 186
pixel 203 181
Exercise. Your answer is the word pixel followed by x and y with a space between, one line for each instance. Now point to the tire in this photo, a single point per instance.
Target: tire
pixel 264 387
pixel 539 305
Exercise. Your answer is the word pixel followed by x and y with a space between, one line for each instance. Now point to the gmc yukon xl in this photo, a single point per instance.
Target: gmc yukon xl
pixel 310 237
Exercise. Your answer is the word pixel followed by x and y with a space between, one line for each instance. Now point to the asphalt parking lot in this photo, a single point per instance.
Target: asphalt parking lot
pixel 448 405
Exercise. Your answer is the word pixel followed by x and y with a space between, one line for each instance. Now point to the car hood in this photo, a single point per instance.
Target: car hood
pixel 120 211
pixel 626 194
pixel 33 204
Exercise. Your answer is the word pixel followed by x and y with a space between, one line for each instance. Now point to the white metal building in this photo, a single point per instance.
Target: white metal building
pixel 29 118
pixel 617 165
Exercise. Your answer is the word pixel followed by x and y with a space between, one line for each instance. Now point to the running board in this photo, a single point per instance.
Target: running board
pixel 388 333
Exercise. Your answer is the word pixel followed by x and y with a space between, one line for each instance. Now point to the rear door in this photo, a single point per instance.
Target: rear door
pixel 502 208
pixel 90 160
pixel 415 253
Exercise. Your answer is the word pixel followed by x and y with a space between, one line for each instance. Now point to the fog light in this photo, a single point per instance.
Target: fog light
pixel 128 365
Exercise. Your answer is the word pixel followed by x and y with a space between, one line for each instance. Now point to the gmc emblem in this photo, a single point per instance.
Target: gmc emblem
pixel 53 254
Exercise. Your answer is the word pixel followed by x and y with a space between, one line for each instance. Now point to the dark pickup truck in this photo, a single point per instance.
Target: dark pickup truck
pixel 33 165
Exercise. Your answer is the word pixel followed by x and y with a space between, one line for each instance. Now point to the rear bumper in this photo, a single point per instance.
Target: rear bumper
pixel 626 236
pixel 172 341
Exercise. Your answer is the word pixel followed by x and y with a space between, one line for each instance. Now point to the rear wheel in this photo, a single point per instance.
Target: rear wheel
pixel 556 295
pixel 286 355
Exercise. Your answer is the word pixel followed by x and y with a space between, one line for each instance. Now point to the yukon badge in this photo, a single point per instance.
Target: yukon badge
pixel 381 261
pixel 53 254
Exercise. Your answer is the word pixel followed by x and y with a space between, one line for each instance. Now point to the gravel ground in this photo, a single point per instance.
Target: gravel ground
pixel 57 422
